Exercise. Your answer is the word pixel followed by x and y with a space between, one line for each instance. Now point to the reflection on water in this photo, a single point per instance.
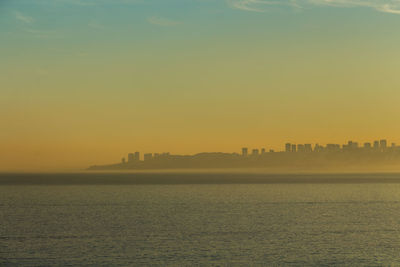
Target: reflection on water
pixel 272 224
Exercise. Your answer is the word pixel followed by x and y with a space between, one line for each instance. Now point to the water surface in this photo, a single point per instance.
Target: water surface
pixel 207 224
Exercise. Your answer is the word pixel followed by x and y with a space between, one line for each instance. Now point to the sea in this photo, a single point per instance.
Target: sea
pixel 202 219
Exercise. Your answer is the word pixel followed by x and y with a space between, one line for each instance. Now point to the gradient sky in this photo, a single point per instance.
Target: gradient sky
pixel 84 82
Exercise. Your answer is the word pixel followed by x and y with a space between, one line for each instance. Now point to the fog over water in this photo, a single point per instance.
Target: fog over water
pixel 192 177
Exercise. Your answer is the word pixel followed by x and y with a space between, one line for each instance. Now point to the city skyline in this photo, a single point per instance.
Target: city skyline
pixel 376 155
pixel 380 145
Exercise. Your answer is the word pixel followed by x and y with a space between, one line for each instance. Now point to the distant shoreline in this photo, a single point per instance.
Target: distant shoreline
pixel 171 178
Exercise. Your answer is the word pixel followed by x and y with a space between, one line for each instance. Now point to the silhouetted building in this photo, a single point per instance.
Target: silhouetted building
pixel 148 156
pixel 254 152
pixel 300 148
pixel 293 148
pixel 245 151
pixel 137 156
pixel 307 148
pixel 332 147
pixel 263 151
pixel 355 145
pixel 376 145
pixel 318 148
pixel 271 151
pixel 133 157
pixel 288 147
pixel 164 155
pixel 367 145
pixel 383 144
pixel 123 161
pixel 351 146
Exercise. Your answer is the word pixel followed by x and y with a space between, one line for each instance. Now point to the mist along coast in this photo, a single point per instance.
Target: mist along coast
pixel 192 177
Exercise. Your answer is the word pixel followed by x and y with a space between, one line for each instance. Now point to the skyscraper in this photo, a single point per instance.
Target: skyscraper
pixel 350 145
pixel 244 152
pixel 332 147
pixel 288 147
pixel 148 156
pixel 137 156
pixel 317 148
pixel 367 145
pixel 383 144
pixel 307 148
pixel 300 148
pixel 376 145
pixel 254 152
pixel 293 148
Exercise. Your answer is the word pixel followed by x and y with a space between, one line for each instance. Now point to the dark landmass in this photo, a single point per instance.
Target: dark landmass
pixel 328 160
pixel 171 178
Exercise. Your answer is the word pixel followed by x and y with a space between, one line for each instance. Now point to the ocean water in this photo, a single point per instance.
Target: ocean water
pixel 227 224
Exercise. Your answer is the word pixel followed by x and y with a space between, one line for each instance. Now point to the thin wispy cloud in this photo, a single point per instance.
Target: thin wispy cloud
pixel 162 21
pixel 389 9
pixel 261 5
pixel 77 2
pixel 97 2
pixel 43 33
pixel 387 6
pixel 247 5
pixel 24 18
pixel 28 27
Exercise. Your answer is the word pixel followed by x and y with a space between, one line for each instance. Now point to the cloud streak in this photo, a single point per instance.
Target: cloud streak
pixel 42 34
pixel 96 2
pixel 162 21
pixel 261 5
pixel 387 6
pixel 23 18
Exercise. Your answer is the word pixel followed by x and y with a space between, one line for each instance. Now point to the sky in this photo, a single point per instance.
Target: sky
pixel 85 82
